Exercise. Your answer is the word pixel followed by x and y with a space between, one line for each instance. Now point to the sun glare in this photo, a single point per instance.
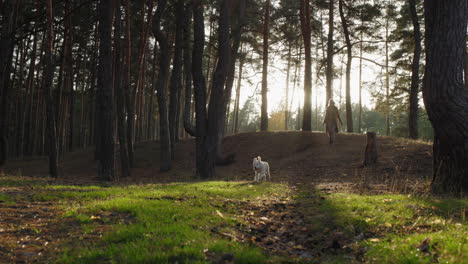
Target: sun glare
pixel 277 90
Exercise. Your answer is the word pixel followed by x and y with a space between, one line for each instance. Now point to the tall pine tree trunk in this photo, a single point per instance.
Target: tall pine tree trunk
pixel 188 126
pixel 49 69
pixel 105 88
pixel 238 88
pixel 223 158
pixel 387 78
pixel 165 140
pixel 127 86
pixel 176 81
pixel 9 11
pixel 349 114
pixel 286 104
pixel 306 35
pixel 329 73
pixel 203 170
pixel 360 86
pixel 217 104
pixel 413 98
pixel 120 94
pixel 444 93
pixel 266 33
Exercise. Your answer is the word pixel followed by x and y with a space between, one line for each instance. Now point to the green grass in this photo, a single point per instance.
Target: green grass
pixel 399 223
pixel 169 223
pixel 5 198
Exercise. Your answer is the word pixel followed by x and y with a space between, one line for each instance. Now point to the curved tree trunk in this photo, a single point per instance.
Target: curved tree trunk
pixel 349 113
pixel 306 35
pixel 161 85
pixel 216 109
pixel 189 128
pixel 413 97
pixel 444 93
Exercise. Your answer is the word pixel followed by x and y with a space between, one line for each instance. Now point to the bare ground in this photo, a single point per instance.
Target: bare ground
pixel 294 157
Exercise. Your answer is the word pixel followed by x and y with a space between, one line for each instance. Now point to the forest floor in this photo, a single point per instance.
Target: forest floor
pixel 322 207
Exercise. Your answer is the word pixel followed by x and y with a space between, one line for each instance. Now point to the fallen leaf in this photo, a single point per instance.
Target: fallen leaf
pixel 220 214
pixel 424 246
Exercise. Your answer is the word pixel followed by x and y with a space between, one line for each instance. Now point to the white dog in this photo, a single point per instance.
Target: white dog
pixel 261 169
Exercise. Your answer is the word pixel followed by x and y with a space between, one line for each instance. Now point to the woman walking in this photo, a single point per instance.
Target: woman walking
pixel 331 117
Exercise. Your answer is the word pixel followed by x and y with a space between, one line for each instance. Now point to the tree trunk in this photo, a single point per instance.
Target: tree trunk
pixel 105 95
pixel 188 126
pixel 360 86
pixel 306 35
pixel 266 31
pixel 9 12
pixel 49 69
pixel 349 114
pixel 154 75
pixel 286 104
pixel 237 103
pixel 444 93
pixel 165 140
pixel 329 73
pixel 370 155
pixel 176 81
pixel 120 94
pixel 127 86
pixel 216 110
pixel 203 170
pixel 29 111
pixel 223 159
pixel 413 97
pixel 387 80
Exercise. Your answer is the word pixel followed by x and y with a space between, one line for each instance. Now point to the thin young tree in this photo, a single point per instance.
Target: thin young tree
pixel 349 53
pixel 329 71
pixel 444 93
pixel 306 35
